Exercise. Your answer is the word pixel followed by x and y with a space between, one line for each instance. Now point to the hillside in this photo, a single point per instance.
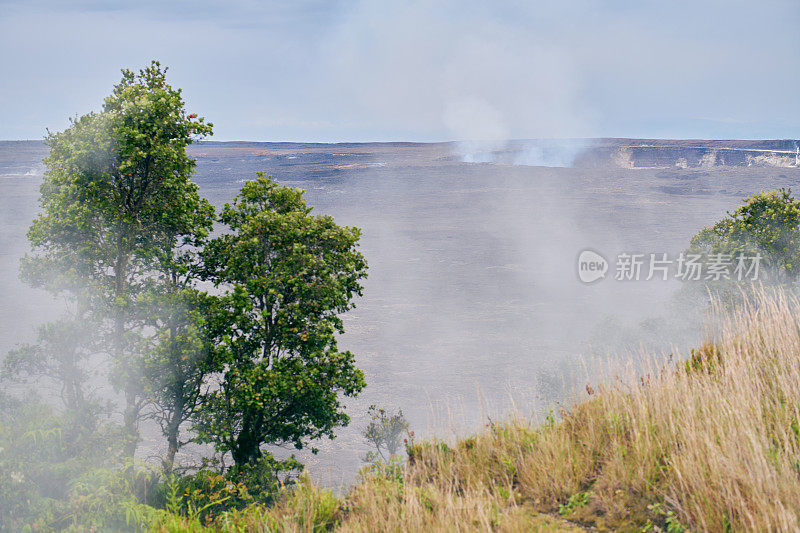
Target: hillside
pixel 711 443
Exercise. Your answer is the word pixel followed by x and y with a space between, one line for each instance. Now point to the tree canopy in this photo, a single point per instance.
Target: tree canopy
pixel 767 224
pixel 118 209
pixel 287 275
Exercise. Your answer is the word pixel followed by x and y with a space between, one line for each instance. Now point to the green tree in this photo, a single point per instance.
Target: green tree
pixel 768 224
pixel 286 276
pixel 180 357
pixel 116 202
pixel 384 431
pixel 180 353
pixel 59 361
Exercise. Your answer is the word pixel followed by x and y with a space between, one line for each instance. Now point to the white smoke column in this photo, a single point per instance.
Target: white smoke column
pixel 481 128
pixel 460 72
pixel 556 153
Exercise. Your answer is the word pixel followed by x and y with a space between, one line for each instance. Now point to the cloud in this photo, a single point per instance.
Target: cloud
pixel 436 70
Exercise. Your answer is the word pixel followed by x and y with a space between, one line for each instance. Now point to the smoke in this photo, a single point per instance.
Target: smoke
pixel 473 306
pixel 463 74
pixel 532 153
pixel 470 76
pixel 554 154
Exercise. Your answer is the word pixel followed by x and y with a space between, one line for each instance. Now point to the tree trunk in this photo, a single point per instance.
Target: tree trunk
pixel 173 432
pixel 172 449
pixel 247 448
pixel 130 416
pixel 130 422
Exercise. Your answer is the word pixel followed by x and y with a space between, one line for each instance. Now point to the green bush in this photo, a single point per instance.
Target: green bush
pixel 207 493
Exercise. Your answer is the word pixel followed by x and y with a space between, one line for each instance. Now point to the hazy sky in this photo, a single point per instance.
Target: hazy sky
pixel 422 71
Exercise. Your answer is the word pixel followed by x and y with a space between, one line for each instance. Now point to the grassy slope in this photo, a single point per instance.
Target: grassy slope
pixel 712 446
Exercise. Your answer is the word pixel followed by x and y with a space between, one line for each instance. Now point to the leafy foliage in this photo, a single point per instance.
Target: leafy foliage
pixel 43 453
pixel 61 360
pixel 768 223
pixel 179 359
pixel 287 274
pixel 117 202
pixel 208 493
pixel 385 432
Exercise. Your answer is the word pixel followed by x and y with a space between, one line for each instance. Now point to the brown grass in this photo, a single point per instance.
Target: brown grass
pixel 710 444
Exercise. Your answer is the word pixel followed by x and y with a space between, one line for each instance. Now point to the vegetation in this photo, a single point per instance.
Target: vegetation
pixel 287 275
pixel 768 224
pixel 124 238
pixel 117 205
pixel 385 432
pixel 711 444
pixel 752 246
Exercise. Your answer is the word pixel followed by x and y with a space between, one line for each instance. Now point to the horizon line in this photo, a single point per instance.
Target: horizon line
pixel 478 141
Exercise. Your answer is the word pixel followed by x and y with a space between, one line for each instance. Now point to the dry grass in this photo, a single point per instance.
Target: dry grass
pixel 712 443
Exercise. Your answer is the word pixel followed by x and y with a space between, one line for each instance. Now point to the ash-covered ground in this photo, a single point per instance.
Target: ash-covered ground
pixel 473 296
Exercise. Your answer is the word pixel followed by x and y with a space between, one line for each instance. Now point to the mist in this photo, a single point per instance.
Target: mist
pixel 473 306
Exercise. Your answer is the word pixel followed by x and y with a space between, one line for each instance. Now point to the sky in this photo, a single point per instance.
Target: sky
pixel 351 71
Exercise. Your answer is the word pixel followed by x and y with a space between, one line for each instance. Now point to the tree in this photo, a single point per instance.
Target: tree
pixel 180 357
pixel 769 224
pixel 116 202
pixel 62 356
pixel 286 276
pixel 180 353
pixel 384 431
